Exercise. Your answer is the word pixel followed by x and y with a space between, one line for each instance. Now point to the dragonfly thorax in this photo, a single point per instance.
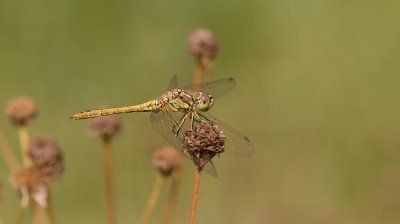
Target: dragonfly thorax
pixel 183 100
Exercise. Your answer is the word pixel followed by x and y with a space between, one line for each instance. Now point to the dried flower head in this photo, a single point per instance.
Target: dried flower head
pixel 202 43
pixel 105 127
pixel 21 110
pixel 47 155
pixel 203 143
pixel 32 182
pixel 167 160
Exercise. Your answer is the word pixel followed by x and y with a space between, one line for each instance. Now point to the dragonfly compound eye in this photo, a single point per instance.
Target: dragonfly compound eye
pixel 205 101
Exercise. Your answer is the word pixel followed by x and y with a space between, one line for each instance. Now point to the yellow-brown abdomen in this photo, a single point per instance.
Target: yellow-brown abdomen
pixel 144 107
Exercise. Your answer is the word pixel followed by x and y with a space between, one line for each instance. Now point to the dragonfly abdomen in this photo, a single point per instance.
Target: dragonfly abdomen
pixel 144 107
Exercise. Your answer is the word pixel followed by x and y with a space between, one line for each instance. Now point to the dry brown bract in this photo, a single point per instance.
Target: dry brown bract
pixel 21 110
pixel 203 143
pixel 202 43
pixel 105 127
pixel 167 160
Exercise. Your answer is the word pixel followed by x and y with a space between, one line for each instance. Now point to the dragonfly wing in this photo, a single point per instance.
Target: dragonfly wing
pixel 173 83
pixel 215 88
pixel 165 122
pixel 210 169
pixel 236 143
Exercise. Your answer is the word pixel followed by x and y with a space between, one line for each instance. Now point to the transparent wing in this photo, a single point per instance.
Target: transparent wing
pixel 165 123
pixel 173 83
pixel 236 143
pixel 210 169
pixel 215 88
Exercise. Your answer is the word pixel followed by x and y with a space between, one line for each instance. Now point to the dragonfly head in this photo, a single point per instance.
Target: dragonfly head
pixel 204 101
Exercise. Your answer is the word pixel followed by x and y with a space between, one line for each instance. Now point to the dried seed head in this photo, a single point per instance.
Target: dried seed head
pixel 21 110
pixel 203 143
pixel 32 181
pixel 105 127
pixel 167 160
pixel 44 151
pixel 203 44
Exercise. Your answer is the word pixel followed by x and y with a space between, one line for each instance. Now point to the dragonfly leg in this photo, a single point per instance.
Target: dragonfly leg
pixel 180 125
pixel 192 121
pixel 198 117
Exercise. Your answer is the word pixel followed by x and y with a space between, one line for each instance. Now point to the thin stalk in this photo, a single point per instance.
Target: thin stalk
pixel 37 215
pixel 50 208
pixel 195 195
pixel 24 142
pixel 8 156
pixel 109 181
pixel 160 179
pixel 19 214
pixel 172 198
pixel 198 73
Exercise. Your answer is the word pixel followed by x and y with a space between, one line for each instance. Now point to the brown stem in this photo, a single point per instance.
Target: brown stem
pixel 109 181
pixel 160 179
pixel 172 198
pixel 50 208
pixel 24 142
pixel 8 156
pixel 198 73
pixel 37 217
pixel 195 195
pixel 19 214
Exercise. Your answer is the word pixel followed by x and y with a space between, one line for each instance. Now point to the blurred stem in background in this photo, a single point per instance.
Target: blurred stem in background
pixel 172 198
pixel 50 208
pixel 106 128
pixel 167 161
pixel 158 184
pixel 109 181
pixel 24 143
pixel 7 154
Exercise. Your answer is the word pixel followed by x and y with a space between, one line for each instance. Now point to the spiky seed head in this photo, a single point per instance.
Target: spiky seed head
pixel 203 143
pixel 105 127
pixel 202 44
pixel 21 110
pixel 167 160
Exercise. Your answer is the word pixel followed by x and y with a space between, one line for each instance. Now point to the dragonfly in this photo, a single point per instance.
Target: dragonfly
pixel 180 109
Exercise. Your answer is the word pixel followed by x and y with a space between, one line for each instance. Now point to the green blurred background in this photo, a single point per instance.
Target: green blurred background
pixel 318 95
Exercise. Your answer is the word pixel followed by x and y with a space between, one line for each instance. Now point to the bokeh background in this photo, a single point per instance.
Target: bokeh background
pixel 318 95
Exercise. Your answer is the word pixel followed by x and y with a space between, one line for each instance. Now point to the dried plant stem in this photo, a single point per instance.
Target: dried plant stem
pixel 109 181
pixel 50 209
pixel 8 156
pixel 195 195
pixel 24 142
pixel 19 214
pixel 172 198
pixel 160 179
pixel 37 215
pixel 198 72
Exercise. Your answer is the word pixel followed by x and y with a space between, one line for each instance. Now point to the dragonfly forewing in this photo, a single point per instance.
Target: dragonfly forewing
pixel 215 88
